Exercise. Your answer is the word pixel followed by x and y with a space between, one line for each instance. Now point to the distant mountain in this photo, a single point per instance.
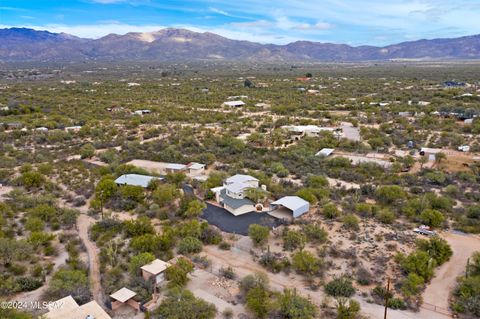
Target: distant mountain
pixel 22 44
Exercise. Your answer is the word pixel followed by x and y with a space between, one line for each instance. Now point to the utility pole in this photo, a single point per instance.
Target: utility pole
pixel 387 296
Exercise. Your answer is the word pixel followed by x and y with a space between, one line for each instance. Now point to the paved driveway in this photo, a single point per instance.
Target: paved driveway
pixel 236 224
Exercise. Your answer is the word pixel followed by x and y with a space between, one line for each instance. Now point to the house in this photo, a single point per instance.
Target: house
pixel 195 169
pixel 232 195
pixel 175 168
pixel 234 103
pixel 289 206
pixel 430 153
pixel 73 128
pixel 155 271
pixel 308 130
pixel 136 180
pixel 237 97
pixel 142 112
pixel 41 129
pixel 68 308
pixel 325 152
pixel 122 297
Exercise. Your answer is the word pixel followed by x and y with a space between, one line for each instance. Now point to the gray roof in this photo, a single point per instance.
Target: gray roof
pixel 135 180
pixel 234 202
pixel 240 178
pixel 291 202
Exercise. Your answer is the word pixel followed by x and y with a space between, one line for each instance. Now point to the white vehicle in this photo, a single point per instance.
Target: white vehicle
pixel 464 148
pixel 424 230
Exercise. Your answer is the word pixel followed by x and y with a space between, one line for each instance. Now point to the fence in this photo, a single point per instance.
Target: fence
pixel 437 309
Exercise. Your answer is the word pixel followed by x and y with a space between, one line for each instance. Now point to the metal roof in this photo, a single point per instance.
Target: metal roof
pixel 234 103
pixel 123 294
pixel 325 152
pixel 234 202
pixel 240 178
pixel 68 308
pixel 135 180
pixel 291 202
pixel 195 165
pixel 155 267
pixel 176 166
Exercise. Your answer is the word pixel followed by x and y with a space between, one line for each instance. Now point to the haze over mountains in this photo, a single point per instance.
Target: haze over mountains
pixel 22 44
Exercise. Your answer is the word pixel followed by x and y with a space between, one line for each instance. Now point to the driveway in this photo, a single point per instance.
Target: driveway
pixel 236 224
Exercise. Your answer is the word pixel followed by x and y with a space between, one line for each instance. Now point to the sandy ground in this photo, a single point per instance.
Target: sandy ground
pixel 5 190
pixel 438 291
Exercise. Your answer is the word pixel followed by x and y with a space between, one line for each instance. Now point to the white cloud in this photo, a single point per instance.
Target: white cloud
pixel 316 26
pixel 215 10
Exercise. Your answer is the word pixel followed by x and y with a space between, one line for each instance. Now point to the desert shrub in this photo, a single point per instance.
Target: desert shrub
pixel 340 287
pixel 189 245
pixel 315 233
pixel 293 239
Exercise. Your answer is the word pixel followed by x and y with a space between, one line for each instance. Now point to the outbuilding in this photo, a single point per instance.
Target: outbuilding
pixel 293 205
pixel 155 271
pixel 234 103
pixel 135 180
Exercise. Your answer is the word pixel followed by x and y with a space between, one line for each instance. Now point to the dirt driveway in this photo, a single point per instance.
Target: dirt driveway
pixel 438 291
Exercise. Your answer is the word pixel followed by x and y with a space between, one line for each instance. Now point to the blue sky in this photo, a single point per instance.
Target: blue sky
pixel 352 22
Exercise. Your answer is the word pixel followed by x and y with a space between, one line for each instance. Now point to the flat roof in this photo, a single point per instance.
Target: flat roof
pixel 176 166
pixel 233 103
pixel 67 308
pixel 123 294
pixel 135 180
pixel 325 151
pixel 155 267
pixel 195 165
pixel 240 178
pixel 291 202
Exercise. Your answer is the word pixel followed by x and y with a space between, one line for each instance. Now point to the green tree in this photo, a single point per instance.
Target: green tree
pixel 87 151
pixel 258 234
pixel 412 285
pixel 306 263
pixel 189 245
pixel 294 306
pixel 257 301
pixel 390 194
pixel 194 208
pixel 177 274
pixel 182 304
pixel 340 287
pixel 293 239
pixel 69 282
pixel 347 308
pixel 432 217
pixel 138 261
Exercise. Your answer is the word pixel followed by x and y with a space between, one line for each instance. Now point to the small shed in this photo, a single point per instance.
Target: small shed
pixel 122 297
pixel 296 205
pixel 155 271
pixel 195 169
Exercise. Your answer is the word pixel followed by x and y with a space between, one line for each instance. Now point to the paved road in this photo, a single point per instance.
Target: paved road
pixel 236 224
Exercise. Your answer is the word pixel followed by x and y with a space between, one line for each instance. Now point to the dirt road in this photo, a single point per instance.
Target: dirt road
pixel 438 291
pixel 83 223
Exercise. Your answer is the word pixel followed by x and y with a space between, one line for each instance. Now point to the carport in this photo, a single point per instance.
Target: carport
pixel 289 207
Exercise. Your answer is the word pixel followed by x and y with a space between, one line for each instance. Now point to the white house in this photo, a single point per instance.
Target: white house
pixel 195 169
pixel 232 194
pixel 234 103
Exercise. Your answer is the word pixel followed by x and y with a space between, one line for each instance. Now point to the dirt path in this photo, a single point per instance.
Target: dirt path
pixel 83 223
pixel 438 291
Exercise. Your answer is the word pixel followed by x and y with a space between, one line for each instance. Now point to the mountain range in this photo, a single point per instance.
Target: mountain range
pixel 23 44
